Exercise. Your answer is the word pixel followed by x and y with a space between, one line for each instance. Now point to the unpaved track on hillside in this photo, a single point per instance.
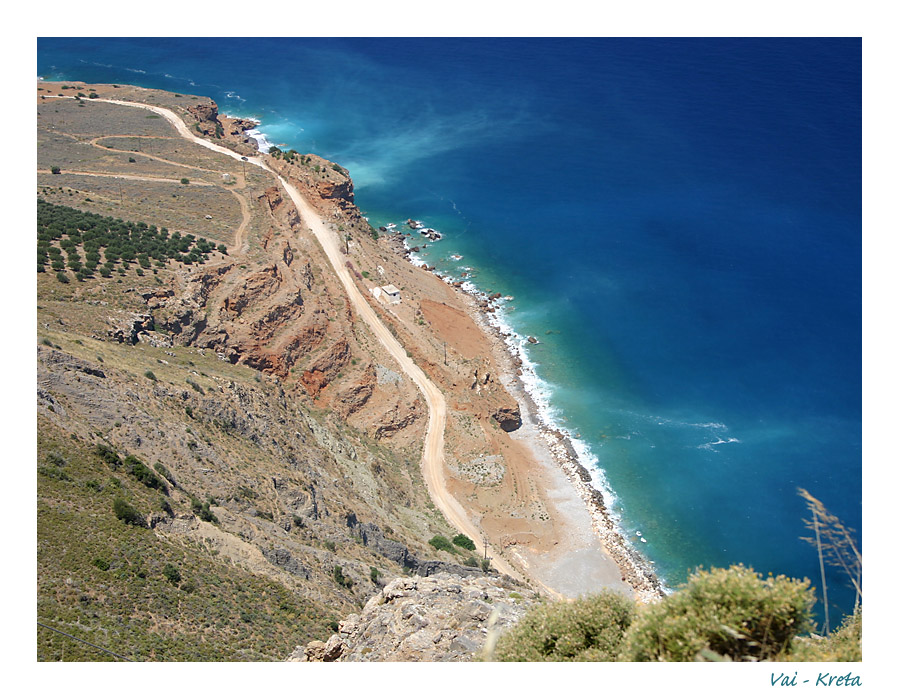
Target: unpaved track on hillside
pixel 433 454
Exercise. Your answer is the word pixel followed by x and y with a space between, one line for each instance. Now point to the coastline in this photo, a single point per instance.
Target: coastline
pixel 585 564
pixel 554 449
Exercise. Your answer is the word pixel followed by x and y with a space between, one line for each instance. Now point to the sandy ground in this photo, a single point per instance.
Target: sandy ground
pixel 571 560
pixel 562 552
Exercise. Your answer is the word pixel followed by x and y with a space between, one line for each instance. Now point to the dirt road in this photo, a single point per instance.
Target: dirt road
pixel 433 454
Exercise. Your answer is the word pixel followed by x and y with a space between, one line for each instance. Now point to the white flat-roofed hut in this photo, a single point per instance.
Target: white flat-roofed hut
pixel 393 294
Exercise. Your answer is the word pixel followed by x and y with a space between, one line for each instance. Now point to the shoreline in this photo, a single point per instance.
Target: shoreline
pixel 548 438
pixel 545 439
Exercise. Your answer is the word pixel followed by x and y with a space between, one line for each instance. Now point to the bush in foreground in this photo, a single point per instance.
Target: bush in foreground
pixel 719 615
pixel 844 645
pixel 588 629
pixel 728 614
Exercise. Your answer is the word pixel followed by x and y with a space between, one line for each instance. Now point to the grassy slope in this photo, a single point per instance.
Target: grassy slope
pixel 102 580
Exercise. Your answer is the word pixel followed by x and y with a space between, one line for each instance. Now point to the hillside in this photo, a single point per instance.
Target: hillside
pixel 200 363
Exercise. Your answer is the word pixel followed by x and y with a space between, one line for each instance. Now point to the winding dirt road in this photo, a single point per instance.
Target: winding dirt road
pixel 433 454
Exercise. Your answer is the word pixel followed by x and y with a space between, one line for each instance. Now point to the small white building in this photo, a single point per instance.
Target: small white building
pixel 393 294
pixel 388 293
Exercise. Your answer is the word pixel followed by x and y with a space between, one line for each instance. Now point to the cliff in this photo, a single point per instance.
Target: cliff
pixel 280 443
pixel 440 618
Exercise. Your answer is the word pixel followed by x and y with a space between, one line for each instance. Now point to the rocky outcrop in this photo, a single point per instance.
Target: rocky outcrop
pixel 61 361
pixel 259 285
pixel 207 116
pixel 326 368
pixel 399 418
pixel 336 190
pixel 235 126
pixel 184 316
pixel 353 399
pixel 322 178
pixel 439 618
pixel 282 558
pixel 130 329
pixel 509 418
pixel 278 207
pixel 372 536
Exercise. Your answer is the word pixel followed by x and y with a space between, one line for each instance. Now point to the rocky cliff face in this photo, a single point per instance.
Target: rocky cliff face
pixel 440 618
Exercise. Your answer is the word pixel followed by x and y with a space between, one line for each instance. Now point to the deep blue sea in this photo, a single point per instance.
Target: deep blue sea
pixel 678 221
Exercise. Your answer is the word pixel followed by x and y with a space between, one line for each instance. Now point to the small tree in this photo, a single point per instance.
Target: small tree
pixel 55 169
pixel 172 574
pixel 340 578
pixel 441 542
pixel 465 542
pixel 127 513
pixel 107 454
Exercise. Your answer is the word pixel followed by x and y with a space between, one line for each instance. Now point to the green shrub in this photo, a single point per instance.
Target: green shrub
pixel 101 564
pixel 588 629
pixel 172 574
pixel 127 513
pixel 340 579
pixel 166 506
pixel 149 374
pixel 202 511
pixel 844 644
pixel 374 574
pixel 731 613
pixel 185 181
pixel 462 541
pixel 108 455
pixel 441 542
pixel 165 473
pixel 144 474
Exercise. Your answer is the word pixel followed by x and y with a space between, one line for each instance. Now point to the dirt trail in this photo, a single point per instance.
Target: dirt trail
pixel 120 176
pixel 433 454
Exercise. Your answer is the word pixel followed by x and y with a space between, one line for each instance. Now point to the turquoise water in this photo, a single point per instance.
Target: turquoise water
pixel 678 221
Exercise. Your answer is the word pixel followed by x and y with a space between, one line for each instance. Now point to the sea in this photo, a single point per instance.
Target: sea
pixel 678 222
